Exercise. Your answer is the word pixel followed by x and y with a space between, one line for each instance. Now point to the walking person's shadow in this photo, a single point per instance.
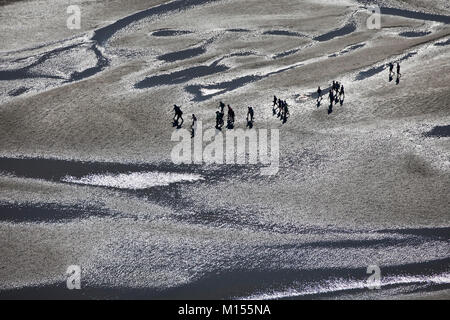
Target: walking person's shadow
pixel 177 124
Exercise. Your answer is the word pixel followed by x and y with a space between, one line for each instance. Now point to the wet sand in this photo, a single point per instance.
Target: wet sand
pixel 367 184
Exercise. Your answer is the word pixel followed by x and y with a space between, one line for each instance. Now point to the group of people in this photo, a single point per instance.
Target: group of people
pixel 392 73
pixel 220 117
pixel 335 95
pixel 220 114
pixel 280 108
pixel 231 116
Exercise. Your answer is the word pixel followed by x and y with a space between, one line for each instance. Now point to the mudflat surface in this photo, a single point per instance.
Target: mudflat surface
pixel 86 174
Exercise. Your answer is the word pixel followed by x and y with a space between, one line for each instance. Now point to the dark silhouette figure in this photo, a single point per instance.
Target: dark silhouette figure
pixel 193 125
pixel 230 120
pixel 219 120
pixel 399 75
pixel 391 71
pixel 250 115
pixel 275 105
pixel 319 96
pixel 280 110
pixel 280 107
pixel 285 113
pixel 178 115
pixel 331 96
pixel 336 88
pixel 221 106
pixel 342 95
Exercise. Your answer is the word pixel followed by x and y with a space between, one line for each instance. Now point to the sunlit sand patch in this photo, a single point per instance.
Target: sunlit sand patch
pixel 207 92
pixel 133 181
pixel 348 285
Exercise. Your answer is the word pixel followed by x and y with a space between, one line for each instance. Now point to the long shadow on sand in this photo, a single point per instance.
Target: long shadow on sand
pixel 439 132
pixel 375 70
pixel 48 213
pixel 28 73
pixel 414 34
pixel 55 169
pixel 345 30
pixel 264 283
pixel 170 33
pixel 181 76
pixel 227 86
pixel 182 55
pixel 442 44
pixel 25 72
pixel 415 15
pixel 102 35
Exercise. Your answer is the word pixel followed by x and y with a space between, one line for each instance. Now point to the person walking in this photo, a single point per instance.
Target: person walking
pixel 178 115
pixel 193 125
